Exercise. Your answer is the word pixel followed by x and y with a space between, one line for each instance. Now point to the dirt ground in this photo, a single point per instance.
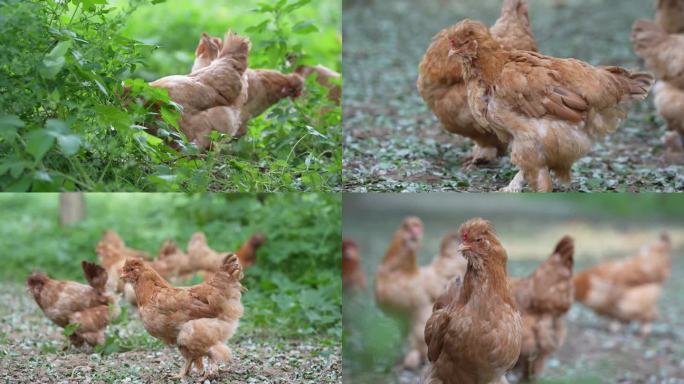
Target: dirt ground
pixel 393 142
pixel 30 352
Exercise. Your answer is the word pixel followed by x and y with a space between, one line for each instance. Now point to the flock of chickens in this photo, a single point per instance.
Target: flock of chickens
pixel 198 319
pixel 473 323
pixel 221 93
pixel 492 86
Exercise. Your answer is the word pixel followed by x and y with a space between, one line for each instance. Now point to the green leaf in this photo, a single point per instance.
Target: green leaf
pixel 258 28
pixel 56 126
pixel 54 61
pixel 69 144
pixel 60 131
pixel 21 185
pixel 15 165
pixel 38 142
pixel 314 132
pixel 296 5
pixel 70 329
pixel 113 116
pixel 89 4
pixel 304 27
pixel 171 118
pixel 9 124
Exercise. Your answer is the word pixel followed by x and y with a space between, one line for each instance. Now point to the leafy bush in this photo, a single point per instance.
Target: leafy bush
pixel 66 123
pixel 294 288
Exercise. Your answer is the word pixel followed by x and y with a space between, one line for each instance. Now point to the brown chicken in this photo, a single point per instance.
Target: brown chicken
pixel 434 279
pixel 353 278
pixel 203 257
pixel 112 253
pixel 69 302
pixel 663 52
pixel 670 15
pixel 674 148
pixel 247 252
pixel 543 298
pixel 442 86
pixel 550 109
pixel 664 55
pixel 399 274
pixel 324 76
pixel 212 97
pixel 475 332
pixel 669 101
pixel 207 51
pixel 172 261
pixel 265 87
pixel 198 319
pixel 628 289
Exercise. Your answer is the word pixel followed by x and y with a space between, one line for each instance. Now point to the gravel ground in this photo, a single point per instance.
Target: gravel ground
pixel 30 352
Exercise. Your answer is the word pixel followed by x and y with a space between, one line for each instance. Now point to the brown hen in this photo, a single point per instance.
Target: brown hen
pixel 543 299
pixel 628 289
pixel 551 110
pixel 68 302
pixel 442 86
pixel 475 332
pixel 197 319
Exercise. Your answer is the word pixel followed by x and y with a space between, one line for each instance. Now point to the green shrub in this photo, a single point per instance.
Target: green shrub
pixel 66 124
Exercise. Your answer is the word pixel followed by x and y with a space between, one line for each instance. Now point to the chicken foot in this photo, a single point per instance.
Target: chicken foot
pixel 185 369
pixel 516 185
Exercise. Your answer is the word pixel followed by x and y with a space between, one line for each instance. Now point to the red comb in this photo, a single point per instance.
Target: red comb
pixel 452 41
pixel 464 235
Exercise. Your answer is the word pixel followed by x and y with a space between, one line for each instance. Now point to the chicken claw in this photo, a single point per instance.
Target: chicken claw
pixel 516 185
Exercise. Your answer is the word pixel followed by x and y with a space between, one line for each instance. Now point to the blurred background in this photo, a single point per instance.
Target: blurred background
pixel 393 142
pixel 604 227
pixel 292 305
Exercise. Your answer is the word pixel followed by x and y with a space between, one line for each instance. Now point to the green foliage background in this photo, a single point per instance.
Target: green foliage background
pixel 294 288
pixel 65 124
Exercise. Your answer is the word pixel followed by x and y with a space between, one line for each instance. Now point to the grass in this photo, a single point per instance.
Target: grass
pixel 528 226
pixel 393 142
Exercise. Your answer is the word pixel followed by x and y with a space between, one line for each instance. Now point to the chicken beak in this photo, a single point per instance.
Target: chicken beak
pixel 463 247
pixel 452 52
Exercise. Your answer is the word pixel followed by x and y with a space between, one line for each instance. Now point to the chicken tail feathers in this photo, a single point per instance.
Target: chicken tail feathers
pixel 231 265
pixel 635 85
pixel 566 249
pixel 96 275
pixel 236 46
pixel 640 85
